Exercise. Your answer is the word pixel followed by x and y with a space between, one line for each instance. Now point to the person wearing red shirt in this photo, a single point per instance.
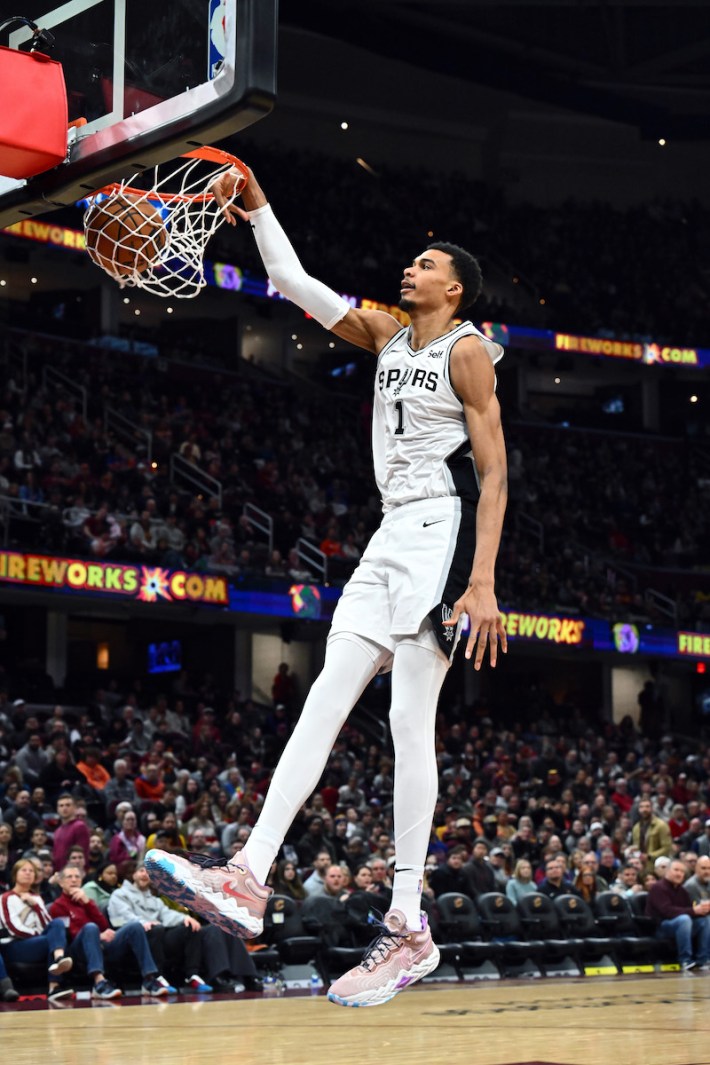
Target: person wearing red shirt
pixel 149 785
pixel 621 797
pixel 678 821
pixel 95 942
pixel 72 832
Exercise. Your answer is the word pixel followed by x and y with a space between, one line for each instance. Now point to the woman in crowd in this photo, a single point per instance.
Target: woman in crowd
pixel 287 881
pixel 586 885
pixel 129 842
pixel 101 886
pixel 28 933
pixel 201 821
pixel 521 882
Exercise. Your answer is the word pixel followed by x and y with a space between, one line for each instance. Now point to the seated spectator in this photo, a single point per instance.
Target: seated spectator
pixel 129 842
pixel 698 885
pixel 172 838
pixel 678 917
pixel 554 884
pixel 314 884
pixel 498 862
pixel 60 776
pixel 479 874
pixel 201 821
pixel 99 887
pixel 627 882
pixel 521 882
pixel 177 940
pixel 450 876
pixel 96 943
pixel 287 881
pixel 119 788
pixel 28 933
pixel 586 885
pixel 149 785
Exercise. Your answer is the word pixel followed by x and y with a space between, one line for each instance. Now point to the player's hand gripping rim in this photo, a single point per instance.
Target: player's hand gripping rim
pixel 486 625
pixel 225 189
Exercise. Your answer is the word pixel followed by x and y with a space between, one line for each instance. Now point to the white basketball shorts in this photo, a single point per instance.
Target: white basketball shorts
pixel 412 572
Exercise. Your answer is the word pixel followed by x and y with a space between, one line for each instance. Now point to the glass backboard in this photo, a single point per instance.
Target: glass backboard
pixel 152 80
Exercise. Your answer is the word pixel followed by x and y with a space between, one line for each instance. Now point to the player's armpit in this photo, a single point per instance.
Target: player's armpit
pixel 367 329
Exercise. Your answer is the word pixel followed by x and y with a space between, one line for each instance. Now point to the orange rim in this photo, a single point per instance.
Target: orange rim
pixel 206 153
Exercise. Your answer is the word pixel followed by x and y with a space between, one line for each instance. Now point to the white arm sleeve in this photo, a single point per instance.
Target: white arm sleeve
pixel 287 274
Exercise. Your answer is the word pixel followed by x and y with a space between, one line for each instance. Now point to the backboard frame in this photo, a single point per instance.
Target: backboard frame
pixel 242 92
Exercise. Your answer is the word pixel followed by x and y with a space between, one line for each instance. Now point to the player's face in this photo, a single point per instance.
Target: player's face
pixel 428 282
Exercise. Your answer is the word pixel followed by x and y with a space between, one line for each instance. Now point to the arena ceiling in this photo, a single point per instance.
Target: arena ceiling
pixel 643 64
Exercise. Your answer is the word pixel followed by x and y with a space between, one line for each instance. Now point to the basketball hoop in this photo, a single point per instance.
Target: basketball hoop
pixel 155 238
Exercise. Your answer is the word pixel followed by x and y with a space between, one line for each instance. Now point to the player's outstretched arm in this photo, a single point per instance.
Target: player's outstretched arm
pixel 473 378
pixel 366 329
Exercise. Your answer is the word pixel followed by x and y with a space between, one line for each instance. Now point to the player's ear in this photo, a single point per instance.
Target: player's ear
pixel 455 288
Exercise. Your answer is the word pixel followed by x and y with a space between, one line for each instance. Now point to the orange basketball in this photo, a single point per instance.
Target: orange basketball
pixel 124 234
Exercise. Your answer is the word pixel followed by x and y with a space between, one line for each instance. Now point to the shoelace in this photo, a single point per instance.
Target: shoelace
pixel 208 863
pixel 385 940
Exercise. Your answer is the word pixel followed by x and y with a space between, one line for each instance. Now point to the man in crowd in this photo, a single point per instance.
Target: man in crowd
pixel 450 876
pixel 119 788
pixel 698 886
pixel 72 831
pixel 554 883
pixel 97 944
pixel 315 883
pixel 177 940
pixel 478 871
pixel 678 917
pixel 650 835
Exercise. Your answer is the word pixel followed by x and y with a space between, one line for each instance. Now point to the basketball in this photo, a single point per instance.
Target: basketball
pixel 124 234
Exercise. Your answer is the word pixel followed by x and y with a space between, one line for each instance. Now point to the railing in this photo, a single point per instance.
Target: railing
pixel 313 558
pixel 24 510
pixel 663 604
pixel 15 361
pixel 534 528
pixel 51 376
pixel 183 471
pixel 260 520
pixel 128 430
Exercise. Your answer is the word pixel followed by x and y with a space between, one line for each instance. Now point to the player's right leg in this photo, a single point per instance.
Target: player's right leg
pixel 231 892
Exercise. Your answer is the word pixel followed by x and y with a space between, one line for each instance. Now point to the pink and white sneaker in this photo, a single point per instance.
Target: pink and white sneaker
pixel 395 959
pixel 228 895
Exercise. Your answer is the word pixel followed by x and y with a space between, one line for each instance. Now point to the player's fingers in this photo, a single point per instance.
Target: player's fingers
pixel 480 648
pixel 500 628
pixel 493 646
pixel 455 615
pixel 471 642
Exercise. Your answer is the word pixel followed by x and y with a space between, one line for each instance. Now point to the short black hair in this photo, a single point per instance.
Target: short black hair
pixel 466 269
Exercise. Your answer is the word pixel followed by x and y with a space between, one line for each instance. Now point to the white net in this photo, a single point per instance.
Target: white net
pixel 155 238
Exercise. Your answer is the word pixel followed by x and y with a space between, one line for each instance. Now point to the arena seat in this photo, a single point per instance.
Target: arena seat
pixel 501 924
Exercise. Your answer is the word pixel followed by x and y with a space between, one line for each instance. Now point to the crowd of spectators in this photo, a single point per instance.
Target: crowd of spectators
pixel 593 265
pixel 77 488
pixel 556 803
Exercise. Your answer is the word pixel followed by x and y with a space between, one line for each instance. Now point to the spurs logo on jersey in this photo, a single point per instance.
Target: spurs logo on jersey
pixel 446 615
pixel 420 439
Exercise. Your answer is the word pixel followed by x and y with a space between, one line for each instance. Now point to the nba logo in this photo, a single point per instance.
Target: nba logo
pixel 217 43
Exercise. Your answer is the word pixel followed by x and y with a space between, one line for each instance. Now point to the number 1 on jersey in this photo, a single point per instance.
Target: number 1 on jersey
pixel 400 418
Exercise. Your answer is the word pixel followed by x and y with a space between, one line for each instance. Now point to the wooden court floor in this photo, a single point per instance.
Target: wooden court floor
pixel 654 1020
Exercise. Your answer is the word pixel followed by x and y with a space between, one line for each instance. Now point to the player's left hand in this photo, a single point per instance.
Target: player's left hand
pixel 487 626
pixel 224 189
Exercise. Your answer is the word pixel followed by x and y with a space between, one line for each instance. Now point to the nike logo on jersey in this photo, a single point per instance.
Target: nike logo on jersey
pixel 437 522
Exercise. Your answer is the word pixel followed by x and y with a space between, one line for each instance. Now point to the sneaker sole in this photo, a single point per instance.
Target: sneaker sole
pixel 378 996
pixel 177 884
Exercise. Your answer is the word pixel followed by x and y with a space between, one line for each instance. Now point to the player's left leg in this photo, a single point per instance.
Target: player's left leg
pixel 403 950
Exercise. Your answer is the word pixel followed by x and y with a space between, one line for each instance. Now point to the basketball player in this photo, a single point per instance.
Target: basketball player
pixel 441 469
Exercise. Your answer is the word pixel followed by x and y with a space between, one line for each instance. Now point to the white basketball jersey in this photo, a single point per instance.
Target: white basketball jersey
pixel 420 441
